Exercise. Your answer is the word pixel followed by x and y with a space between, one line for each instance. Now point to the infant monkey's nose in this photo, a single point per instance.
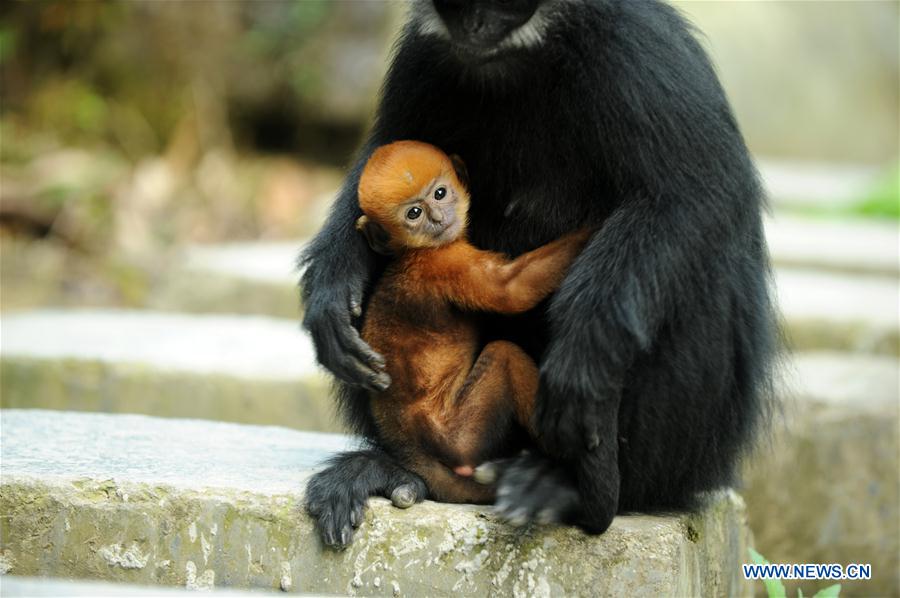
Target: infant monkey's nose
pixel 435 213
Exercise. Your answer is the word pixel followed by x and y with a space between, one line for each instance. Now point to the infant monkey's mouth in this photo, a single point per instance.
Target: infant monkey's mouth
pixel 446 232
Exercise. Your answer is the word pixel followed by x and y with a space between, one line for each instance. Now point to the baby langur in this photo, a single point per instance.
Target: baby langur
pixel 449 407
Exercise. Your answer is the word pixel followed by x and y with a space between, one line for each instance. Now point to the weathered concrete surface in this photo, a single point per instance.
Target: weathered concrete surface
pixel 829 311
pixel 98 496
pixel 857 246
pixel 242 346
pixel 109 387
pixel 816 184
pixel 208 292
pixel 241 278
pixel 33 587
pixel 272 262
pixel 244 369
pixel 828 489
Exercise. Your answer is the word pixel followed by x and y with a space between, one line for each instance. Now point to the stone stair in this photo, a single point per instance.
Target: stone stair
pixel 46 587
pixel 841 417
pixel 852 247
pixel 826 488
pixel 249 369
pixel 232 278
pixel 823 310
pixel 201 504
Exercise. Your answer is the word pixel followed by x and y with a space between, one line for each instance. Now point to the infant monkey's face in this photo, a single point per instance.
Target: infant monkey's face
pixel 436 215
pixel 413 196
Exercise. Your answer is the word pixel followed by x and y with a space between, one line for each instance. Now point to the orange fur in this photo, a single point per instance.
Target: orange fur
pixel 396 172
pixel 448 395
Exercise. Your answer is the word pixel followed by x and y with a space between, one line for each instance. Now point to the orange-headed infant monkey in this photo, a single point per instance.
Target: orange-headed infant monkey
pixel 449 407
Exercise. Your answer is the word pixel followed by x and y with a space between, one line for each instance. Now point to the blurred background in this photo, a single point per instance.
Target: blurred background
pixel 161 163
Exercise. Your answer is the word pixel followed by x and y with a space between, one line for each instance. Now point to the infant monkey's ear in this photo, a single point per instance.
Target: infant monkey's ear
pixel 378 238
pixel 460 167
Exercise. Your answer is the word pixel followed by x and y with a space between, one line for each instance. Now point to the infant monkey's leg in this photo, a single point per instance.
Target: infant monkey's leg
pixel 501 386
pixel 477 423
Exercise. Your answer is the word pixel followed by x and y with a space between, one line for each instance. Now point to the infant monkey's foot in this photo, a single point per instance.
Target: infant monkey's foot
pixel 489 472
pixel 404 496
pixel 486 473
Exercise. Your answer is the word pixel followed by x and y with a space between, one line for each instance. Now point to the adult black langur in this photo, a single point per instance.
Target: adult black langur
pixel 655 354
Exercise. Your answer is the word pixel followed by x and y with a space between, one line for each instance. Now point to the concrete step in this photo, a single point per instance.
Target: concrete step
pixel 842 410
pixel 273 262
pixel 819 185
pixel 247 369
pixel 855 246
pixel 829 311
pixel 240 278
pixel 35 587
pixel 827 489
pixel 252 369
pixel 190 503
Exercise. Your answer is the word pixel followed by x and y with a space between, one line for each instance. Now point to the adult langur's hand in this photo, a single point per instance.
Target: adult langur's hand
pixel 339 348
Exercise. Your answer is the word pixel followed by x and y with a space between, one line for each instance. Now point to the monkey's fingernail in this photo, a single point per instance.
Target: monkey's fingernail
pixel 381 381
pixel 355 308
pixel 593 441
pixel 485 474
pixel 376 360
pixel 328 538
pixel 346 535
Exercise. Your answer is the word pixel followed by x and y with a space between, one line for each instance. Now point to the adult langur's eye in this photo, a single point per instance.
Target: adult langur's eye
pixel 440 193
pixel 413 213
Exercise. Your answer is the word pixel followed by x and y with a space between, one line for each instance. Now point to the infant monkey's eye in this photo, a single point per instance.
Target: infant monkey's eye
pixel 413 213
pixel 440 193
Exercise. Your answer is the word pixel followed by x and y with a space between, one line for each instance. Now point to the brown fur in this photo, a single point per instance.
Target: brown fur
pixel 447 399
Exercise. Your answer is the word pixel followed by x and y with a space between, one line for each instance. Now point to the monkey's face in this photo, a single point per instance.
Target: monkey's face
pixel 412 196
pixel 485 29
pixel 436 216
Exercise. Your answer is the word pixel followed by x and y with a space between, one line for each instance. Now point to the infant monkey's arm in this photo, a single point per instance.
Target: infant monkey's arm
pixel 482 280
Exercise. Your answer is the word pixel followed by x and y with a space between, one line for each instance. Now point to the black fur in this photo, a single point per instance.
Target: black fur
pixel 656 353
pixel 338 501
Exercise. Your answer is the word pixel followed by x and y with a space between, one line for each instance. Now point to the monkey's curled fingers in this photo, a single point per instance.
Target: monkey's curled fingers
pixel 566 418
pixel 533 488
pixel 339 347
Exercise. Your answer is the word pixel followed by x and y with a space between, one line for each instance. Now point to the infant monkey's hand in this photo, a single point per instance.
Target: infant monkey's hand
pixel 573 242
pixel 582 235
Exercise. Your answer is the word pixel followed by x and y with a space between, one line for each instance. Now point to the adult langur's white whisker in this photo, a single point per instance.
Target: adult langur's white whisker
pixel 530 35
pixel 427 19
